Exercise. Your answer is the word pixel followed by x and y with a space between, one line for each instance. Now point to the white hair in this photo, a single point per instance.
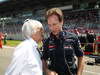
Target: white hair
pixel 30 27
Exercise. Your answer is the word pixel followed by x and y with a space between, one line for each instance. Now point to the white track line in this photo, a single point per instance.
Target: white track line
pixel 8 47
pixel 92 72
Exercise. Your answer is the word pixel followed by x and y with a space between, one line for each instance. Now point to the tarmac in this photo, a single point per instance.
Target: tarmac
pixel 6 54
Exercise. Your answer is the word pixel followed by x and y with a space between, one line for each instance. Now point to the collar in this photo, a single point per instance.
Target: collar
pixel 60 35
pixel 33 42
pixel 52 35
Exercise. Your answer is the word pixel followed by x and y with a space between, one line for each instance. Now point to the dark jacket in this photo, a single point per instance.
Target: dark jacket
pixel 62 49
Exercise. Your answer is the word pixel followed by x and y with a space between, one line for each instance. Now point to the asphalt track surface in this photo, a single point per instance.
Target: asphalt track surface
pixel 6 54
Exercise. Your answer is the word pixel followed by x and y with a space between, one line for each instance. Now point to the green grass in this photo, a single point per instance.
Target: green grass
pixel 13 42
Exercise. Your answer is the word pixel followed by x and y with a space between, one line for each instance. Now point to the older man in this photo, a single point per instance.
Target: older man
pixel 26 58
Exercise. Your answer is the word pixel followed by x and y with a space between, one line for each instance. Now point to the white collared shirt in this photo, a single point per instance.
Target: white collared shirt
pixel 26 60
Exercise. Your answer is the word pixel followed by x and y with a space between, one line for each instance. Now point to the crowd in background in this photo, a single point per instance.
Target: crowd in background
pixel 77 22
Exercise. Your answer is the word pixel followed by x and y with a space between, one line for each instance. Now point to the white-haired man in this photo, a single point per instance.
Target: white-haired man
pixel 26 59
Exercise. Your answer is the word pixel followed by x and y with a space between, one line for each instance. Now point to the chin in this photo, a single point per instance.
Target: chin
pixel 55 33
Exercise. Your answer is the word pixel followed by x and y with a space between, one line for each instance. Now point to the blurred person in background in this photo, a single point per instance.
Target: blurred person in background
pixel 91 37
pixel 26 58
pixel 61 48
pixel 5 39
pixel 1 38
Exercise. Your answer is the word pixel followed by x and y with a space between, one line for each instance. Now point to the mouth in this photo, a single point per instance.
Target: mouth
pixel 55 32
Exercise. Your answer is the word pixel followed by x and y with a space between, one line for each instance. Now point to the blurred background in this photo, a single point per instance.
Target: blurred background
pixel 81 17
pixel 78 14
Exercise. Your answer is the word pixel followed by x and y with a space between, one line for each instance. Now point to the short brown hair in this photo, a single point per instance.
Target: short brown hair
pixel 55 11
